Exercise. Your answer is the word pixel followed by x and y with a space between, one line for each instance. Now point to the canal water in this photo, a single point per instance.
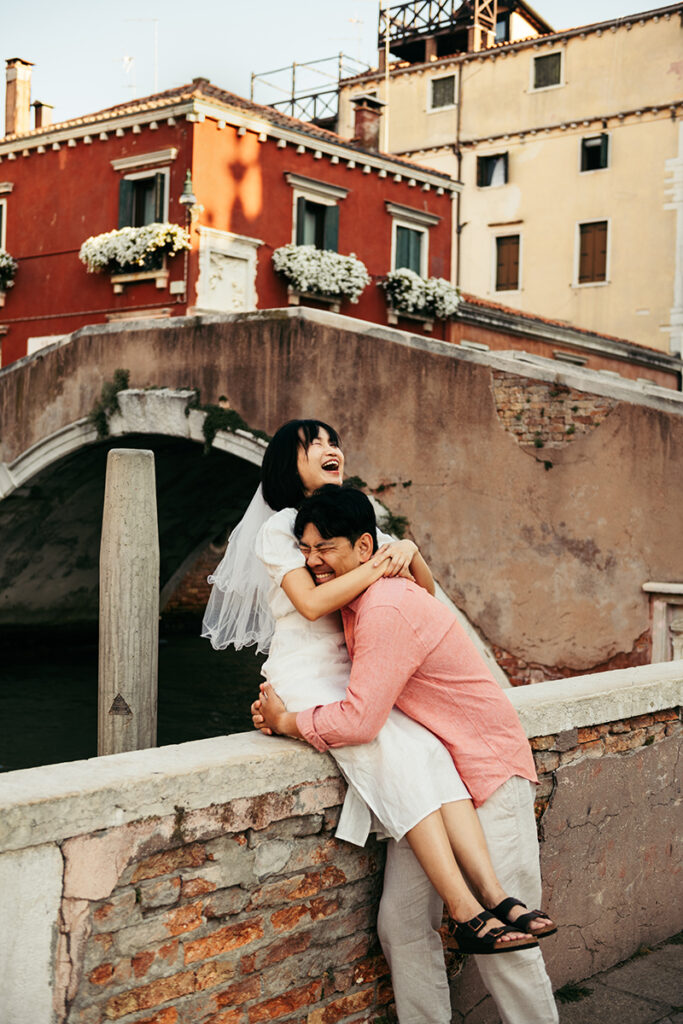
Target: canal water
pixel 48 696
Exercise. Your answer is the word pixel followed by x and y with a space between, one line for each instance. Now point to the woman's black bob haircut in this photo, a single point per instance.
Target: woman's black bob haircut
pixel 280 481
pixel 338 512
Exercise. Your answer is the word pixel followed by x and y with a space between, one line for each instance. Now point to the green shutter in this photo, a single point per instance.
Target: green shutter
pixel 331 229
pixel 125 203
pixel 300 220
pixel 604 150
pixel 158 198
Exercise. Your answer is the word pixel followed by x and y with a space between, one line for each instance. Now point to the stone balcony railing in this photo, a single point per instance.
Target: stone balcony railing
pixel 202 881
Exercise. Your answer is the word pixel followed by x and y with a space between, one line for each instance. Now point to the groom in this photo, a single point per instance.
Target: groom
pixel 408 650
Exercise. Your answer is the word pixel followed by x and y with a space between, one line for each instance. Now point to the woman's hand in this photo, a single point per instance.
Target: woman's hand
pixel 396 557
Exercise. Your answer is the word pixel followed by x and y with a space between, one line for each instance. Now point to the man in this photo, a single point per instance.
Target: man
pixel 408 650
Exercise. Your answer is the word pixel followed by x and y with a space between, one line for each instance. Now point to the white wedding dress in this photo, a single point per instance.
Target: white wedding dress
pixel 401 776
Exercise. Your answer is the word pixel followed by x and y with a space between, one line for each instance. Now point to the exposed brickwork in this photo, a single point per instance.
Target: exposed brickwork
pixel 521 672
pixel 274 921
pixel 546 415
pixel 553 752
pixel 192 592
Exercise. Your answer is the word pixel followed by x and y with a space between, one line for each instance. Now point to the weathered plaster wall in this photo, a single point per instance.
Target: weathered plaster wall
pixel 547 562
pixel 202 881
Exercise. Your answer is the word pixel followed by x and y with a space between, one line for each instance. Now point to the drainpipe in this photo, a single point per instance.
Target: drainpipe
pixel 458 212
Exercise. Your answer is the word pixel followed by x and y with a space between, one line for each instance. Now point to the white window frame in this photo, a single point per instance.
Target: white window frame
pixel 160 156
pixel 313 191
pixel 430 93
pixel 166 171
pixel 585 138
pixel 532 69
pixel 494 261
pixel 577 252
pixel 3 223
pixel 415 220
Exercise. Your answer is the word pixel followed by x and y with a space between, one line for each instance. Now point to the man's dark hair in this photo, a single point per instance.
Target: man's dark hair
pixel 338 512
pixel 282 487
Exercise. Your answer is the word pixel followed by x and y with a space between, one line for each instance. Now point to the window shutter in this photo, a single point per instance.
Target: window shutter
pixel 604 150
pixel 125 203
pixel 158 198
pixel 300 220
pixel 481 173
pixel 505 168
pixel 600 251
pixel 331 229
pixel 507 263
pixel 402 248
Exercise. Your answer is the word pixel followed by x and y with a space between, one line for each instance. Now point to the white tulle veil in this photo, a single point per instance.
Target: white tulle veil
pixel 238 612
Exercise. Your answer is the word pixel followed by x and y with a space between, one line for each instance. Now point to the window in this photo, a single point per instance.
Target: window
pixel 3 222
pixel 142 199
pixel 409 243
pixel 595 152
pixel 316 211
pixel 317 224
pixel 442 92
pixel 503 28
pixel 492 170
pixel 410 237
pixel 547 71
pixel 507 263
pixel 592 252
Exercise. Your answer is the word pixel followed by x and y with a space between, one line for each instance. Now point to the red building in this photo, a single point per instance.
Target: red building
pixel 261 180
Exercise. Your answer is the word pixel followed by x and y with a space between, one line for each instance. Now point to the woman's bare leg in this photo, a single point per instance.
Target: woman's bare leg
pixel 468 843
pixel 430 842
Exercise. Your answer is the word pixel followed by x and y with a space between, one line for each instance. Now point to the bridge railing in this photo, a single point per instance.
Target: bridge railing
pixel 206 875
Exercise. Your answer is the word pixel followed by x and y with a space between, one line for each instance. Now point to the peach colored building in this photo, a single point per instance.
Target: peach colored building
pixel 569 146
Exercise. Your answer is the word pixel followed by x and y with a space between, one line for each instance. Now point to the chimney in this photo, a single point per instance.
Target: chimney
pixel 367 112
pixel 18 96
pixel 42 114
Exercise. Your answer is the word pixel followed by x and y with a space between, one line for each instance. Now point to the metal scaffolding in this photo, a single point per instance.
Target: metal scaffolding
pixel 303 100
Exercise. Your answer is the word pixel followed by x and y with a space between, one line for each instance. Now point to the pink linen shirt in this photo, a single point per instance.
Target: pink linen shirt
pixel 408 650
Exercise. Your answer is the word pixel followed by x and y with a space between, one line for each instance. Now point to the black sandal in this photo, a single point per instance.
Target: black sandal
pixel 468 939
pixel 523 922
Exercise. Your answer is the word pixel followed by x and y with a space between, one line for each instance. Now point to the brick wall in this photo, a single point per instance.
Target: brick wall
pixel 202 884
pixel 546 415
pixel 192 593
pixel 256 914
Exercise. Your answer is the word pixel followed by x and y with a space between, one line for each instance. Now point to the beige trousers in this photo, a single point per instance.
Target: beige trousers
pixel 411 911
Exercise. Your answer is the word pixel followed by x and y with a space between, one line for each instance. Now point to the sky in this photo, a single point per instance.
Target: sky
pixel 91 54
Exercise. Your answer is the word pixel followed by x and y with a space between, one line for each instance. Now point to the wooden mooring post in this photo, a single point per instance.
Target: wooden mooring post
pixel 129 604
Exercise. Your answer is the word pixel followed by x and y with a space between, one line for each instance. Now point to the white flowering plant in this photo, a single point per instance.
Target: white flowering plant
pixel 321 271
pixel 8 268
pixel 129 249
pixel 407 292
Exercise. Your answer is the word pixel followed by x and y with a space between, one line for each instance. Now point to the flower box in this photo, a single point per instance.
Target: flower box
pixel 321 274
pixel 393 316
pixel 294 298
pixel 8 268
pixel 134 254
pixel 421 298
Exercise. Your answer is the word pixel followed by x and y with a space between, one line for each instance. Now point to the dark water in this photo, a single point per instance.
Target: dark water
pixel 48 697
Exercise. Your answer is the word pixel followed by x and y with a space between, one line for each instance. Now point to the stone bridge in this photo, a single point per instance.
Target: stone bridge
pixel 544 495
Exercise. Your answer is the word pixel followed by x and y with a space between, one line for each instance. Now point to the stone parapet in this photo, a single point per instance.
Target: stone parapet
pixel 203 881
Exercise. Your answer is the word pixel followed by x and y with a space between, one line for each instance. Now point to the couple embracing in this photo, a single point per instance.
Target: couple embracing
pixel 435 758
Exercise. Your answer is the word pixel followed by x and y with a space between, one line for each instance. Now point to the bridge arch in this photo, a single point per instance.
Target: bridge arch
pixel 51 507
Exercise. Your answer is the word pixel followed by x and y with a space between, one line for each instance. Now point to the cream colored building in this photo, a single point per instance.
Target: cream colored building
pixel 570 148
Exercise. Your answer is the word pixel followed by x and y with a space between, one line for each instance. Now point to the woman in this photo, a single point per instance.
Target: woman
pixel 405 778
